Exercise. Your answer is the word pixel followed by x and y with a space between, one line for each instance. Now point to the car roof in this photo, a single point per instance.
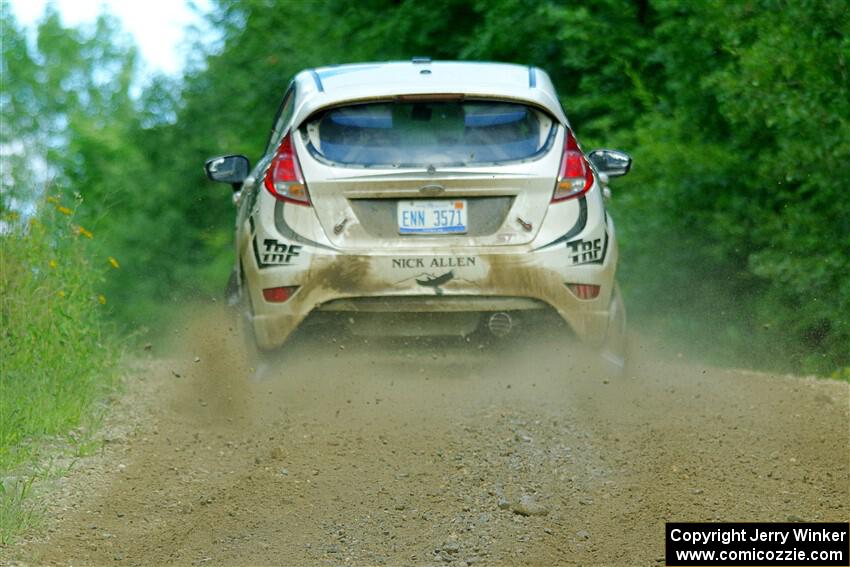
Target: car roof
pixel 331 86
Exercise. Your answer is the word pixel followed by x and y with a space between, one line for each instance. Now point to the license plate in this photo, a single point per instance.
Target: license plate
pixel 432 217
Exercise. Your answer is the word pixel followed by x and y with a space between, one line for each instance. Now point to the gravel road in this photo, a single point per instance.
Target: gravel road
pixel 353 453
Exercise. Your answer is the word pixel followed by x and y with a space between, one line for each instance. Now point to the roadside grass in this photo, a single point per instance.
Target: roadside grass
pixel 841 374
pixel 57 355
pixel 17 512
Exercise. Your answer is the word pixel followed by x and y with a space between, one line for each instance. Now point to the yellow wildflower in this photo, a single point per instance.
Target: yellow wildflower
pixel 113 262
pixel 52 199
pixel 61 293
pixel 101 299
pixel 63 210
pixel 52 263
pixel 85 232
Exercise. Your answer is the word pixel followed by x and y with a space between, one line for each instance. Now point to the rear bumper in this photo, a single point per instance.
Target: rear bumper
pixel 431 304
pixel 466 281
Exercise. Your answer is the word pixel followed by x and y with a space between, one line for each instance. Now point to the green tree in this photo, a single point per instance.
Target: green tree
pixel 740 174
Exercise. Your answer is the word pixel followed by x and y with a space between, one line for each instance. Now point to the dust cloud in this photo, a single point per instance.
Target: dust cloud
pixel 366 451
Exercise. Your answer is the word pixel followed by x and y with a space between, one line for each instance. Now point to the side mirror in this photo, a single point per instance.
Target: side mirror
pixel 228 169
pixel 612 163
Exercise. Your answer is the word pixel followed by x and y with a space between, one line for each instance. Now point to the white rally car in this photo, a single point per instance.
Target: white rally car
pixel 451 195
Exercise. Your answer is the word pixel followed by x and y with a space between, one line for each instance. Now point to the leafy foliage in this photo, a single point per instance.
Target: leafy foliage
pixel 742 159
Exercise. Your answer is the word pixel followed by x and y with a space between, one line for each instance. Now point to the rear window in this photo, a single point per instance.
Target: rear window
pixel 399 134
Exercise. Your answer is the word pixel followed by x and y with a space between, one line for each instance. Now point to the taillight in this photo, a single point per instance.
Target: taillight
pixel 584 291
pixel 279 294
pixel 283 178
pixel 575 176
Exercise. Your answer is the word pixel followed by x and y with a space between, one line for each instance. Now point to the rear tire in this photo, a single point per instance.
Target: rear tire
pixel 258 361
pixel 231 290
pixel 615 348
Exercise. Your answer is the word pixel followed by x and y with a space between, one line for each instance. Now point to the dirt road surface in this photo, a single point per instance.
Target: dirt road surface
pixel 390 454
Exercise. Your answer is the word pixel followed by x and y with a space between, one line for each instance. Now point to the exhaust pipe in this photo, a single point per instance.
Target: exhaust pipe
pixel 500 324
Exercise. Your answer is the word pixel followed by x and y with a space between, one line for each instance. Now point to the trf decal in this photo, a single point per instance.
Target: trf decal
pixel 584 251
pixel 279 253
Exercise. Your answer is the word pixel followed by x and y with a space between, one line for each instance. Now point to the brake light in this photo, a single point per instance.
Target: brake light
pixel 279 294
pixel 284 179
pixel 584 291
pixel 575 176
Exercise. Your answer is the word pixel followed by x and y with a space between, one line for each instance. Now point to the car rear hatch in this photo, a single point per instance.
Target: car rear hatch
pixel 428 173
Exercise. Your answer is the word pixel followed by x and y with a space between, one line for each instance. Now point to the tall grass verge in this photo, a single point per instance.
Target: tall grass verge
pixel 57 357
